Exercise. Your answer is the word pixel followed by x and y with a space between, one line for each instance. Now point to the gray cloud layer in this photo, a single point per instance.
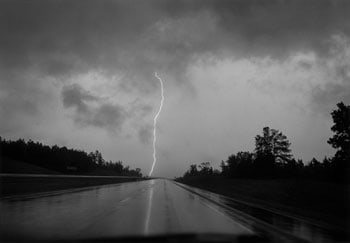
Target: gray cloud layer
pixel 75 96
pixel 71 36
pixel 91 110
pixel 50 40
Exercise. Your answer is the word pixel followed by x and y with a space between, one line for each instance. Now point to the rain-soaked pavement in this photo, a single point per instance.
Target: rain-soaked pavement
pixel 142 208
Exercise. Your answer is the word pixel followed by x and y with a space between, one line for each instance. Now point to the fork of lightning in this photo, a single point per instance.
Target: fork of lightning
pixel 155 124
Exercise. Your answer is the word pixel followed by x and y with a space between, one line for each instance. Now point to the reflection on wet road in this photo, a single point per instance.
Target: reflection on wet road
pixel 139 208
pixel 136 208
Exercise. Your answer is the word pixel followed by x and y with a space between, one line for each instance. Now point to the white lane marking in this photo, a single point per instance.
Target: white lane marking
pixel 148 215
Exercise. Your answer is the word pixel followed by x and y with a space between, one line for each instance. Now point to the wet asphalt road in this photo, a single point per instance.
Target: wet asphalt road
pixel 137 208
pixel 150 208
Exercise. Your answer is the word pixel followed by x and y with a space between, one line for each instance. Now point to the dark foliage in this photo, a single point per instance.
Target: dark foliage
pixel 273 145
pixel 272 157
pixel 341 141
pixel 204 169
pixel 62 159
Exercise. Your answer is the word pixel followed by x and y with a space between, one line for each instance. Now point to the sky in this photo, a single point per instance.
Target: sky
pixel 80 74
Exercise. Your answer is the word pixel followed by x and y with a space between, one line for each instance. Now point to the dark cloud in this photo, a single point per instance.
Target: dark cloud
pixel 62 38
pixel 277 28
pixel 108 115
pixel 72 36
pixel 91 110
pixel 274 28
pixel 46 45
pixel 75 96
pixel 305 64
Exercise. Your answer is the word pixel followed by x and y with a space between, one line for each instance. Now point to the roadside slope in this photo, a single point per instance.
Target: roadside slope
pixel 323 202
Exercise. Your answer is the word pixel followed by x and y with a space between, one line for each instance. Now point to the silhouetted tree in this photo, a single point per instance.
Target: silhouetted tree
pixel 205 168
pixel 224 168
pixel 99 159
pixel 240 165
pixel 273 158
pixel 272 148
pixel 341 140
pixel 274 143
pixel 192 171
pixel 61 159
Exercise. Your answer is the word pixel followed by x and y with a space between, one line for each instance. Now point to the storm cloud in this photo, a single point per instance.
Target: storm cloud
pixel 93 63
pixel 92 110
pixel 63 37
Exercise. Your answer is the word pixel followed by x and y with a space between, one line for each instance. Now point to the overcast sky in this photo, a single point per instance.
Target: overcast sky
pixel 81 74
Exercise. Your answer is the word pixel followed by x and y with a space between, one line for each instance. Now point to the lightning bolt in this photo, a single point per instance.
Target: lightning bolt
pixel 155 124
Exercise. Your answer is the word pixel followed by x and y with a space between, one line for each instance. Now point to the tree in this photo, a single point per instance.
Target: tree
pixel 60 159
pixel 138 171
pixel 224 168
pixel 341 140
pixel 273 144
pixel 341 128
pixel 192 171
pixel 99 159
pixel 205 168
pixel 272 153
pixel 240 165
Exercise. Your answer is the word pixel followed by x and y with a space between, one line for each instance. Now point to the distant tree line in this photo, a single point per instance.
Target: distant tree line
pixel 272 157
pixel 62 159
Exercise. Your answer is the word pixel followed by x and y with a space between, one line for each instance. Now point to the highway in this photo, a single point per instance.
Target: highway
pixel 143 208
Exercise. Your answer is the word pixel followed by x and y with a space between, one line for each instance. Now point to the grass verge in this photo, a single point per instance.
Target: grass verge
pixel 320 201
pixel 10 186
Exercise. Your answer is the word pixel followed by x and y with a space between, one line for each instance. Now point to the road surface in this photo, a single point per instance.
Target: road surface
pixel 151 207
pixel 136 208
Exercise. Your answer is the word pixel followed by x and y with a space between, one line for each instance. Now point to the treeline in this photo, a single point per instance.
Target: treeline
pixel 272 157
pixel 62 159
